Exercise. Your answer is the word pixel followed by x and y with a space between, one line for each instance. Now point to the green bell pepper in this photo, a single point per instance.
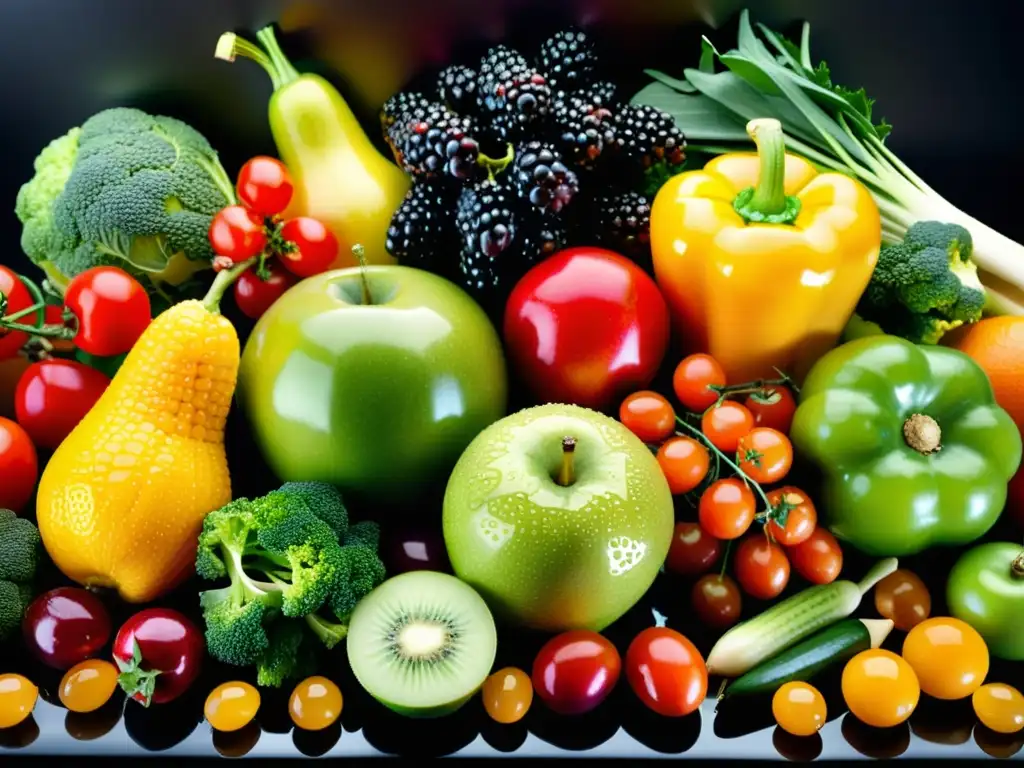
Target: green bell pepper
pixel 912 449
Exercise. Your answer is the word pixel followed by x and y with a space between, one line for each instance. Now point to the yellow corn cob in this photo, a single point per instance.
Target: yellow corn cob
pixel 122 500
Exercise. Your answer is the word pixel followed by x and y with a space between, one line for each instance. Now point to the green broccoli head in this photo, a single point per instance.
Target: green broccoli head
pixel 323 500
pixel 287 656
pixel 224 537
pixel 366 534
pixel 234 625
pixel 19 548
pixel 365 571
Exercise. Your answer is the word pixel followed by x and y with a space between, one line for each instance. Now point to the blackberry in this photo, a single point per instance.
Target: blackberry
pixel 422 232
pixel 568 59
pixel 541 177
pixel 486 220
pixel 411 104
pixel 623 223
pixel 457 88
pixel 512 94
pixel 435 143
pixel 540 234
pixel 582 130
pixel 646 135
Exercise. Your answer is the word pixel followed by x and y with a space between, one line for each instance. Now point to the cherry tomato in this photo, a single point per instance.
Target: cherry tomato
pixel 236 233
pixel 265 186
pixel 19 466
pixel 772 408
pixel 693 550
pixel 315 704
pixel 17 699
pixel 18 298
pixel 800 514
pixel 666 672
pixel 799 708
pixel 160 653
pixel 904 598
pixel 231 706
pixel 818 558
pixel 88 685
pixel 65 626
pixel 880 688
pixel 725 424
pixel 684 462
pixel 507 695
pixel 112 309
pixel 762 568
pixel 1000 707
pixel 765 455
pixel 648 415
pixel 727 508
pixel 316 247
pixel 717 601
pixel 949 657
pixel 693 378
pixel 575 671
pixel 53 396
pixel 254 296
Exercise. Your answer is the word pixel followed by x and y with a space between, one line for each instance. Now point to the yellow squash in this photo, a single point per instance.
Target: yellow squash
pixel 122 500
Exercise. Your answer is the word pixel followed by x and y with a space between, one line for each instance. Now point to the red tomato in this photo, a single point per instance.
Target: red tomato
pixel 684 462
pixel 693 550
pixel 666 672
pixel 18 298
pixel 765 455
pixel 237 233
pixel 818 558
pixel 717 601
pixel 772 408
pixel 316 247
pixel 648 415
pixel 112 309
pixel 254 296
pixel 53 396
pixel 727 508
pixel 159 653
pixel 65 626
pixel 575 671
pixel 692 379
pixel 19 466
pixel 726 424
pixel 265 186
pixel 762 568
pixel 801 516
pixel 586 326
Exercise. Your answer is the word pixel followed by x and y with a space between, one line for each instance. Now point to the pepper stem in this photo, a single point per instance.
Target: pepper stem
pixel 224 280
pixel 922 433
pixel 567 472
pixel 285 70
pixel 768 202
pixel 1017 566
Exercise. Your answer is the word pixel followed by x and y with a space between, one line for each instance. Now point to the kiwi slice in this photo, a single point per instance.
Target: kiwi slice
pixel 422 643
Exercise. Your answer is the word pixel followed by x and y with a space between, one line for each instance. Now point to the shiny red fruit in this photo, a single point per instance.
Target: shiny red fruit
pixel 666 671
pixel 762 568
pixel 65 626
pixel 265 186
pixel 414 549
pixel 586 326
pixel 316 247
pixel 112 309
pixel 693 550
pixel 575 671
pixel 18 298
pixel 772 408
pixel 254 296
pixel 237 233
pixel 53 396
pixel 159 653
pixel 19 466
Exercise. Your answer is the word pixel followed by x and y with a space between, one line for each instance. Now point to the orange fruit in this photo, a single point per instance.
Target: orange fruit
pixel 997 345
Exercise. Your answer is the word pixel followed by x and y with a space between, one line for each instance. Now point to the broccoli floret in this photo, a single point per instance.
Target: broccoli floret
pixel 365 571
pixel 234 625
pixel 126 189
pixel 366 534
pixel 19 556
pixel 925 285
pixel 323 500
pixel 287 657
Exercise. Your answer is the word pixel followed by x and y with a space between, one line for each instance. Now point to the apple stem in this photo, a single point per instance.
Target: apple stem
pixel 360 253
pixel 567 472
pixel 1017 566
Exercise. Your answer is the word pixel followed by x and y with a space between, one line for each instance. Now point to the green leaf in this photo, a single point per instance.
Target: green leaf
pixel 750 72
pixel 672 82
pixel 697 116
pixel 707 56
pixel 788 52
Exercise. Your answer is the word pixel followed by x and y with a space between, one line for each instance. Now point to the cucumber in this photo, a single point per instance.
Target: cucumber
pixel 784 624
pixel 832 645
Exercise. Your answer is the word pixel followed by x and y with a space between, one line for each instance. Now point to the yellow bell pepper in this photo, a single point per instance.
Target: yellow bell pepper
pixel 761 258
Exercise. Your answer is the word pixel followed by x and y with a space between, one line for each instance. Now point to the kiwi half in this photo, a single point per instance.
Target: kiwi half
pixel 422 643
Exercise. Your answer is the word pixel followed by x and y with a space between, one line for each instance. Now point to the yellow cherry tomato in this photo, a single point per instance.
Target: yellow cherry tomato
pixel 880 688
pixel 87 686
pixel 231 706
pixel 949 657
pixel 507 695
pixel 799 709
pixel 1000 707
pixel 315 704
pixel 17 699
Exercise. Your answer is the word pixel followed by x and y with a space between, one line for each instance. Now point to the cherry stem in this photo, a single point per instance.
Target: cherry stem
pixel 725 559
pixel 360 253
pixel 567 472
pixel 714 448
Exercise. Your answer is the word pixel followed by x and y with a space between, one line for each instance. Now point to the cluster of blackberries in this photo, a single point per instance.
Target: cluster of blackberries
pixel 499 155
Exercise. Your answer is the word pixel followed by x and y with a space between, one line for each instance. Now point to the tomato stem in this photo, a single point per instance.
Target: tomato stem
pixel 725 559
pixel 750 387
pixel 567 471
pixel 714 448
pixel 23 312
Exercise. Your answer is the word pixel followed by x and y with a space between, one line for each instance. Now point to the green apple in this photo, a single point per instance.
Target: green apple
pixel 375 381
pixel 559 517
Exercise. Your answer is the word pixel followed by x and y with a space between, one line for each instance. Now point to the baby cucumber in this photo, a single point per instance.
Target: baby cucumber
pixel 832 645
pixel 783 625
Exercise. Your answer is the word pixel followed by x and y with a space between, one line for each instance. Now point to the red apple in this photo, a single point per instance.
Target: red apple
pixel 587 327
